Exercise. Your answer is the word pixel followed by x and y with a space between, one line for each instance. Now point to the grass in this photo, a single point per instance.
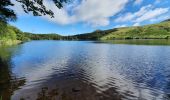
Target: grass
pixel 9 42
pixel 154 31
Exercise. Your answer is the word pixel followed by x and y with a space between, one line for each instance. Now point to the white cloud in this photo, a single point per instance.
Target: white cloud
pixel 119 26
pixel 136 24
pixel 129 16
pixel 145 13
pixel 94 12
pixel 61 16
pixel 98 13
pixel 126 17
pixel 152 14
pixel 137 2
pixel 17 8
pixel 160 18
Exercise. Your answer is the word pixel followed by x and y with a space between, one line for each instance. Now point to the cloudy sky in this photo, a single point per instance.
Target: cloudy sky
pixel 82 16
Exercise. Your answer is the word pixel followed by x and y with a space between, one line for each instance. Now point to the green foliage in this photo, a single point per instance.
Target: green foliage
pixel 10 35
pixel 154 31
pixel 36 7
pixel 6 14
pixel 43 36
pixel 96 35
pixel 3 27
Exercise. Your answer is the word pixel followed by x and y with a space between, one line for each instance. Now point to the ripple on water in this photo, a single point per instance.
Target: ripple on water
pixel 93 71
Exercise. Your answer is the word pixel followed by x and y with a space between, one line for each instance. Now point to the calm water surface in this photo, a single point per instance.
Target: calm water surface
pixel 85 70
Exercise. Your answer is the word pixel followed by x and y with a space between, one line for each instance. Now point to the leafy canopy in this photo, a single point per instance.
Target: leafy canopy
pixel 37 7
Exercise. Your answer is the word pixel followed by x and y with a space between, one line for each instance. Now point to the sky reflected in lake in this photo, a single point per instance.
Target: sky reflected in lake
pixel 84 70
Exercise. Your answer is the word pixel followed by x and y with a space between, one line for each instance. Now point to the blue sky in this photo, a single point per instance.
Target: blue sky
pixel 82 16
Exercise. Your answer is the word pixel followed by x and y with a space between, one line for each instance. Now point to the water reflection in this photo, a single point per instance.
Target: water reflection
pixel 139 41
pixel 8 81
pixel 61 70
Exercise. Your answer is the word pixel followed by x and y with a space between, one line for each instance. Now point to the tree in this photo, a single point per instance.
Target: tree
pixel 35 6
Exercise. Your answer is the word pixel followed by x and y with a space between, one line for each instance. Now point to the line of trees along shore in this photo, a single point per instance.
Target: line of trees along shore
pixel 154 31
pixel 10 34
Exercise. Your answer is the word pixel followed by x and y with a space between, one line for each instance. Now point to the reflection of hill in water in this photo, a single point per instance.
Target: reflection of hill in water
pixel 8 81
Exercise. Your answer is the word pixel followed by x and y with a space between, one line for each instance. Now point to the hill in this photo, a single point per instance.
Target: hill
pixel 10 34
pixel 154 31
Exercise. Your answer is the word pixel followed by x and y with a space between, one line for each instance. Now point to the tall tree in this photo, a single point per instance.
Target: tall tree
pixel 37 7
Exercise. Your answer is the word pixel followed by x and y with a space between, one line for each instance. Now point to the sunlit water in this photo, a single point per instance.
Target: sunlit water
pixel 85 70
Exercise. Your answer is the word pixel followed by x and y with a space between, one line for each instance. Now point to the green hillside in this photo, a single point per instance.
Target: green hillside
pixel 9 34
pixel 154 31
pixel 12 35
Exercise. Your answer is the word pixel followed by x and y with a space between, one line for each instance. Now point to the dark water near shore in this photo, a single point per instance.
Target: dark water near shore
pixel 86 70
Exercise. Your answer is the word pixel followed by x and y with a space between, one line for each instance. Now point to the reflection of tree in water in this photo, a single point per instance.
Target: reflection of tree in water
pixel 8 82
pixel 45 95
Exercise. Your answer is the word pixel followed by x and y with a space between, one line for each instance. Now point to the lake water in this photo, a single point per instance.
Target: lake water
pixel 86 70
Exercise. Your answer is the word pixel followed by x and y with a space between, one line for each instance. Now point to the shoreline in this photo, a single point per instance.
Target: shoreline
pixel 16 42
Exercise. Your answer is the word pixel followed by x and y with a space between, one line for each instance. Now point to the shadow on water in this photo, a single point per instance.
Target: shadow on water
pixel 74 94
pixel 8 82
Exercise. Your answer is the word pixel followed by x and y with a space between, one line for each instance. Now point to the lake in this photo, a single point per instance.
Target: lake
pixel 86 70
